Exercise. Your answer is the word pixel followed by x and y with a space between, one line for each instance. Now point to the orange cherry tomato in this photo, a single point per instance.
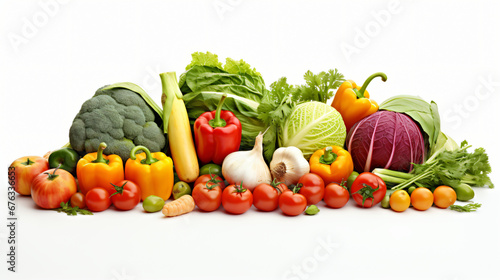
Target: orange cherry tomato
pixel 444 196
pixel 422 199
pixel 399 201
pixel 78 199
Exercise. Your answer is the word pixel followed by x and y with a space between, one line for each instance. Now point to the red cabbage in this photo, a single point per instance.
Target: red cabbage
pixel 386 139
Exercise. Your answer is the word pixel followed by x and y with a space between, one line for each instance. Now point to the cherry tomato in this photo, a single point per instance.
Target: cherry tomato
pixel 422 199
pixel 336 196
pixel 399 201
pixel 207 196
pixel 78 199
pixel 312 187
pixel 210 178
pixel 368 189
pixel 97 199
pixel 236 199
pixel 444 196
pixel 127 195
pixel 292 203
pixel 265 196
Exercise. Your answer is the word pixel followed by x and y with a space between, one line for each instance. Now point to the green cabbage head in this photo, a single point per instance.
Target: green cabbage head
pixel 312 126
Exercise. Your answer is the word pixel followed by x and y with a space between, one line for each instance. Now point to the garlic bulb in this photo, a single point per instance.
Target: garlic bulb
pixel 288 165
pixel 248 167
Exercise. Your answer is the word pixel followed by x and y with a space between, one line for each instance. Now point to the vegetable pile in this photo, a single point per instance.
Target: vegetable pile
pixel 222 137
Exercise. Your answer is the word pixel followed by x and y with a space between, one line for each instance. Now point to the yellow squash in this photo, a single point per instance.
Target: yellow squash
pixel 176 124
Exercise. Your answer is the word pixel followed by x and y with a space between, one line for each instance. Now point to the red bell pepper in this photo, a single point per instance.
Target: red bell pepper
pixel 217 134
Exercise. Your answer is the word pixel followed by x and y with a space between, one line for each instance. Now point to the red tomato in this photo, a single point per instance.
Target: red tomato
pixel 312 187
pixel 265 196
pixel 97 199
pixel 23 170
pixel 368 189
pixel 52 187
pixel 207 195
pixel 336 196
pixel 127 195
pixel 292 204
pixel 236 199
pixel 214 179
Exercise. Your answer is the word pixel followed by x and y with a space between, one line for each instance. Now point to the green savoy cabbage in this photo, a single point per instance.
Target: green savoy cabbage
pixel 312 126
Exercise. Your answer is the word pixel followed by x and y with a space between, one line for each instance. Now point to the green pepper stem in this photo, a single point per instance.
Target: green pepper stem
pixel 217 121
pixel 149 157
pixel 361 92
pixel 100 158
pixel 328 157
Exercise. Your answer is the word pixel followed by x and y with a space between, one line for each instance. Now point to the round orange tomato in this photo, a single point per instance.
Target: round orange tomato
pixel 422 199
pixel 52 187
pixel 78 199
pixel 399 201
pixel 444 196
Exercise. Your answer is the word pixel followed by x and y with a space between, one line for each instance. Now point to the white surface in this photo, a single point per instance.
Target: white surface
pixel 441 51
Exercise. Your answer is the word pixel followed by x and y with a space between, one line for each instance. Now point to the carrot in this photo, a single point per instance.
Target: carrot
pixel 182 205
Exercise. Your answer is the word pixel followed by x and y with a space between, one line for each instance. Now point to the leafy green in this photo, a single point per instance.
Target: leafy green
pixel 203 85
pixel 319 87
pixel 425 114
pixel 204 59
pixel 471 207
pixel 239 67
pixel 277 104
pixel 72 211
pixel 254 105
pixel 445 167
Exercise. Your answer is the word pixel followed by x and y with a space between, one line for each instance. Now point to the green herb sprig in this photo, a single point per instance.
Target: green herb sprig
pixel 72 211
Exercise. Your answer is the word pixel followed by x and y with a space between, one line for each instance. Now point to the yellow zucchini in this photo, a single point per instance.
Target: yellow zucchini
pixel 176 124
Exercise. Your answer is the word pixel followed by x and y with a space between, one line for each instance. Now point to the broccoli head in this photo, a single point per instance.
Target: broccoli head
pixel 121 118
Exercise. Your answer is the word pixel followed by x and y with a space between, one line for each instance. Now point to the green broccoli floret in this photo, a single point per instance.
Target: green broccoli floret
pixel 121 118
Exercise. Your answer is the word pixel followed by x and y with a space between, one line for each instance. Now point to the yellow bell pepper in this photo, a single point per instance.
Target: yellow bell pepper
pixel 152 172
pixel 353 102
pixel 332 164
pixel 98 170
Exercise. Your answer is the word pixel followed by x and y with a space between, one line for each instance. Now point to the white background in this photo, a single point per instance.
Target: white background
pixel 54 57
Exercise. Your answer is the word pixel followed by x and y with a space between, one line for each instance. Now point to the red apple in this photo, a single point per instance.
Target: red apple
pixel 23 170
pixel 52 187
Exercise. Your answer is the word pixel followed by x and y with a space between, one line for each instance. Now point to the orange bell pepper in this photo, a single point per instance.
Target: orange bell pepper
pixel 353 102
pixel 332 164
pixel 153 172
pixel 98 170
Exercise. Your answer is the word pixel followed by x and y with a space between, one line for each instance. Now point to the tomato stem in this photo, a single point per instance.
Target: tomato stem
pixel 119 189
pixel 52 176
pixel 27 162
pixel 239 188
pixel 367 192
